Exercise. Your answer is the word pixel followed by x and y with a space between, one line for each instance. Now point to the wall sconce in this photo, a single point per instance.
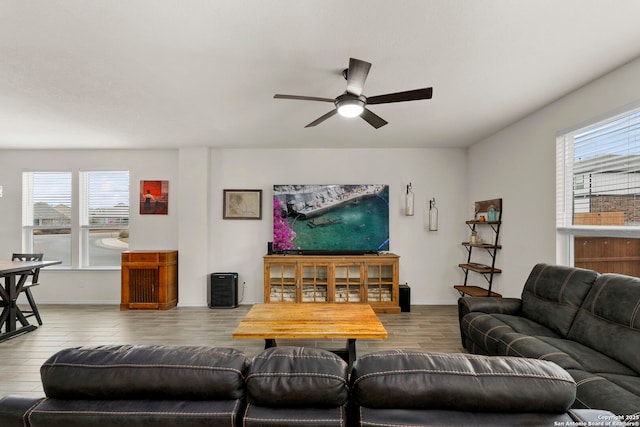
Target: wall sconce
pixel 433 215
pixel 409 198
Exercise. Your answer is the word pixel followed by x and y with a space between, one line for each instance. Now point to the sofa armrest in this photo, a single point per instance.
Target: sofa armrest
pixel 467 305
pixel 15 409
pixel 489 305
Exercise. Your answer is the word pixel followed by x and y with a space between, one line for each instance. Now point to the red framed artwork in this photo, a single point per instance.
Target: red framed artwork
pixel 154 197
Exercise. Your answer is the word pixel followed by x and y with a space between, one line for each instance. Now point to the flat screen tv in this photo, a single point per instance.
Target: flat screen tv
pixel 331 219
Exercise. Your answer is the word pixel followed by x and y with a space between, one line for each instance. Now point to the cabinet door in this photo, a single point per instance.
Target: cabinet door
pixel 380 278
pixel 348 280
pixel 282 282
pixel 314 282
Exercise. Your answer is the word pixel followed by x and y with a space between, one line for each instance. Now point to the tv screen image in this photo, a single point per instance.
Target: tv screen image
pixel 331 218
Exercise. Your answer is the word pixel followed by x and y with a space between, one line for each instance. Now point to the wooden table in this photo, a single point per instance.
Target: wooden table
pixel 311 321
pixel 15 274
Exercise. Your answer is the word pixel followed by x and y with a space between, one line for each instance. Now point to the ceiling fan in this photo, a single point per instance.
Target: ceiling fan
pixel 353 103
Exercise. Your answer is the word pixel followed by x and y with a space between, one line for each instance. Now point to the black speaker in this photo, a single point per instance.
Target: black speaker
pixel 222 291
pixel 405 298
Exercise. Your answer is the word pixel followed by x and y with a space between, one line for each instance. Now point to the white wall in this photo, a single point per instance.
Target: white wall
pixel 518 164
pixel 147 231
pixel 193 243
pixel 206 243
pixel 428 260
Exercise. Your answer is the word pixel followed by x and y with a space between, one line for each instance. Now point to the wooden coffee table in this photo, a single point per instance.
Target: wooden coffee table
pixel 311 321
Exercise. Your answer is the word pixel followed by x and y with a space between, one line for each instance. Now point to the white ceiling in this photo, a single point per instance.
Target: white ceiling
pixel 180 73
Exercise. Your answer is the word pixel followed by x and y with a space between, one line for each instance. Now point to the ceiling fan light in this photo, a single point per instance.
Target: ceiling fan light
pixel 350 110
pixel 349 106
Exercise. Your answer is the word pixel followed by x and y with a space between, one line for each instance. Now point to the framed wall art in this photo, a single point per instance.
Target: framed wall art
pixel 242 204
pixel 154 197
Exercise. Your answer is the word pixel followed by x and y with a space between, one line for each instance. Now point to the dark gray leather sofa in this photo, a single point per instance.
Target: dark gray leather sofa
pixel 296 386
pixel 585 322
pixel 404 388
pixel 134 386
pixel 291 386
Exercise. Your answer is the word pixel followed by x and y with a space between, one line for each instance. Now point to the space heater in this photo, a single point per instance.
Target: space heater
pixel 222 290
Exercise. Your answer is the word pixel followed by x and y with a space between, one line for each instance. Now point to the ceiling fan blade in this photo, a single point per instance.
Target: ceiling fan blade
pixel 373 119
pixel 356 75
pixel 409 95
pixel 303 98
pixel 322 119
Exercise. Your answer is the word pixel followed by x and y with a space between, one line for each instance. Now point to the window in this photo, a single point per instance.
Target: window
pixel 88 228
pixel 104 217
pixel 598 194
pixel 46 214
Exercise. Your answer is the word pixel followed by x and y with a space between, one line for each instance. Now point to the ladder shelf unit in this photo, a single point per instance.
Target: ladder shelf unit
pixel 493 220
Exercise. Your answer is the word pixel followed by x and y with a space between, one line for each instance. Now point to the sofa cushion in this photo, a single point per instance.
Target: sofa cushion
pixel 590 359
pixel 263 416
pixel 414 380
pixel 619 394
pixel 135 413
pixel 486 330
pixel 371 417
pixel 146 372
pixel 13 409
pixel 627 382
pixel 521 345
pixel 609 319
pixel 297 376
pixel 552 295
pixel 526 326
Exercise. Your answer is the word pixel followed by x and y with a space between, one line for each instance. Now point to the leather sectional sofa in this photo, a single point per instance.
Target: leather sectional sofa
pixel 292 386
pixel 585 322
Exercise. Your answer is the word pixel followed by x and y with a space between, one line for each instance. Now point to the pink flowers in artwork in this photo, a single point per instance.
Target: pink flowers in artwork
pixel 282 232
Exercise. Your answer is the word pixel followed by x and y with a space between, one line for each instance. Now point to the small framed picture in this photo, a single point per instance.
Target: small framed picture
pixel 154 197
pixel 242 204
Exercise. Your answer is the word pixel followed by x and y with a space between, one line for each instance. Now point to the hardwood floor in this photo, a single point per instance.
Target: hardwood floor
pixel 426 328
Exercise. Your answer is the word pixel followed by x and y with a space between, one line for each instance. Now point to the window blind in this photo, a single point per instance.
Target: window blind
pixel 598 173
pixel 105 199
pixel 81 218
pixel 46 199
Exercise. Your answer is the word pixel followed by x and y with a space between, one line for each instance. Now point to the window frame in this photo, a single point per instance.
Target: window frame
pixel 566 231
pixel 85 216
pixel 79 217
pixel 28 213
